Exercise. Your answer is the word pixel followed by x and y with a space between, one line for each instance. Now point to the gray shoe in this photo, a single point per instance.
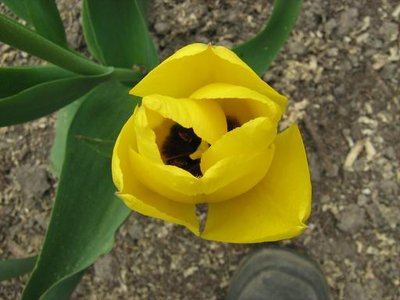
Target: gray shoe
pixel 278 274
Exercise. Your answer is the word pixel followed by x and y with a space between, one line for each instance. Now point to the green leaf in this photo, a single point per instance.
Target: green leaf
pixel 116 33
pixel 21 37
pixel 88 33
pixel 260 51
pixel 86 213
pixel 45 98
pixel 16 79
pixel 63 288
pixel 46 19
pixel 63 122
pixel 18 7
pixel 16 267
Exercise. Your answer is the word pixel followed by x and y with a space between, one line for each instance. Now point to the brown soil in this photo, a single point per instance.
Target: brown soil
pixel 340 70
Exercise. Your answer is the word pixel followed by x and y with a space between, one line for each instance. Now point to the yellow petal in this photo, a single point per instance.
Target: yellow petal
pixel 168 181
pixel 205 116
pixel 178 76
pixel 136 195
pixel 235 175
pixel 274 209
pixel 237 161
pixel 189 50
pixel 247 78
pixel 252 137
pixel 120 169
pixel 198 65
pixel 150 204
pixel 145 136
pixel 240 102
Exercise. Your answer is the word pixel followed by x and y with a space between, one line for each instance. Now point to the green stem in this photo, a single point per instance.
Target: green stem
pixel 19 36
pixel 122 74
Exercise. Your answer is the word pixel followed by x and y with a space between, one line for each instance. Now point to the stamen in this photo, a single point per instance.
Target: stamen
pixel 183 148
pixel 200 150
pixel 176 150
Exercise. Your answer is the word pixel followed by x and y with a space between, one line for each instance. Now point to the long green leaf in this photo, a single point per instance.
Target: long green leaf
pixel 16 79
pixel 18 7
pixel 86 212
pixel 46 19
pixel 45 98
pixel 19 36
pixel 63 123
pixel 116 33
pixel 63 288
pixel 260 51
pixel 89 34
pixel 16 267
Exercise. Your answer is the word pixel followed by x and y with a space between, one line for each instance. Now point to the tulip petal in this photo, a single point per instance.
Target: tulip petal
pixel 240 102
pixel 189 50
pixel 198 65
pixel 145 135
pixel 238 161
pixel 205 116
pixel 252 137
pixel 137 196
pixel 235 175
pixel 274 209
pixel 153 205
pixel 120 169
pixel 166 180
pixel 247 77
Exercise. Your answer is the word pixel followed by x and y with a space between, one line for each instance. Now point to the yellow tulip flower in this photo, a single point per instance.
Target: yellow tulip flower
pixel 206 132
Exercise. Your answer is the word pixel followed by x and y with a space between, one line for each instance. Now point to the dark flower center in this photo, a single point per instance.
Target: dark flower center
pixel 182 142
pixel 232 123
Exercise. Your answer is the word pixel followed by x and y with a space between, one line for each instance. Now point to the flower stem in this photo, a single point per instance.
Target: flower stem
pixel 21 37
pixel 122 74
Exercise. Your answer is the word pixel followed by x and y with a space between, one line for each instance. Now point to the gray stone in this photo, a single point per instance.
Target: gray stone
pixel 390 153
pixel 32 179
pixel 42 219
pixel 374 289
pixel 375 215
pixel 325 199
pixel 161 27
pixel 3 145
pixel 389 31
pixel 348 20
pixel 315 166
pixel 389 187
pixel 136 231
pixel 297 47
pixel 387 73
pixel 362 200
pixel 106 268
pixel 330 26
pixel 339 91
pixel 343 111
pixel 354 291
pixel 352 219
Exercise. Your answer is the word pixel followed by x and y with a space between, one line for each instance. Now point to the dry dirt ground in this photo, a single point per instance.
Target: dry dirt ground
pixel 340 70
